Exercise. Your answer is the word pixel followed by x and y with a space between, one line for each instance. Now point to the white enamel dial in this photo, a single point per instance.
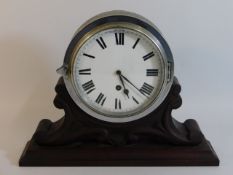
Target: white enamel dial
pixel 118 72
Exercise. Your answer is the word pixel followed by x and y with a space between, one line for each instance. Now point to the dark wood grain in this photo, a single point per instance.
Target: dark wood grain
pixel 78 139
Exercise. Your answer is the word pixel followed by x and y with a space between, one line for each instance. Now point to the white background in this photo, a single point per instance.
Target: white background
pixel 34 35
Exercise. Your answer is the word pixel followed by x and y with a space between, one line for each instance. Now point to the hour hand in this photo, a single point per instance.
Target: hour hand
pixel 126 91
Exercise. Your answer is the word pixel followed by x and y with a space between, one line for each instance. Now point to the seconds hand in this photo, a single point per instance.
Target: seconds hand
pixel 126 79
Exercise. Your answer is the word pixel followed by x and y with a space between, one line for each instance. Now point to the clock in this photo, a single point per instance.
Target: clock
pixel 118 90
pixel 118 67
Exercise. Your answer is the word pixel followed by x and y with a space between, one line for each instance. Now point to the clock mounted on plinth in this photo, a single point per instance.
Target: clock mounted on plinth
pixel 118 91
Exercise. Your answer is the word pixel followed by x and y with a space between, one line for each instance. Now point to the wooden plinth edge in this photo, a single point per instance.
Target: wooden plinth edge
pixel 134 155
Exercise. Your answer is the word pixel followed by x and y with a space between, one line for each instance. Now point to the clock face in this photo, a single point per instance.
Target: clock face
pixel 118 67
pixel 118 72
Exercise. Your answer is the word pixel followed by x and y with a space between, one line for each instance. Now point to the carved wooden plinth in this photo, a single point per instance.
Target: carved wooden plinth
pixel 78 139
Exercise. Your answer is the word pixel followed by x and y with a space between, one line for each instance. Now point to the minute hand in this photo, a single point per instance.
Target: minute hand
pixel 126 79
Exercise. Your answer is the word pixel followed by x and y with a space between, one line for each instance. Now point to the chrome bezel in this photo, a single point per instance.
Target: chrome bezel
pixel 165 52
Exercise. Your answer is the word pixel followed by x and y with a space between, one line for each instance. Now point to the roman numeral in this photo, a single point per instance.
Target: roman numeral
pixel 89 86
pixel 135 100
pixel 152 72
pixel 100 99
pixel 117 103
pixel 146 89
pixel 101 42
pixel 135 44
pixel 87 55
pixel 85 72
pixel 119 38
pixel 149 55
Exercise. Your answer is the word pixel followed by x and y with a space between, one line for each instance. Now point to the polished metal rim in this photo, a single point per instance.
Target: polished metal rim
pixel 167 62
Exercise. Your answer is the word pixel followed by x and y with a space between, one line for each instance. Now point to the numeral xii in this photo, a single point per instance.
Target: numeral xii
pixel 119 38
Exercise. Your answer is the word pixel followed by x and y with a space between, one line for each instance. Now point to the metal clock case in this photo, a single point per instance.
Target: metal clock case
pixel 131 30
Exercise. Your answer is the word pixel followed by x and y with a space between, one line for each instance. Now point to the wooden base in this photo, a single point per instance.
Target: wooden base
pixel 78 139
pixel 133 155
